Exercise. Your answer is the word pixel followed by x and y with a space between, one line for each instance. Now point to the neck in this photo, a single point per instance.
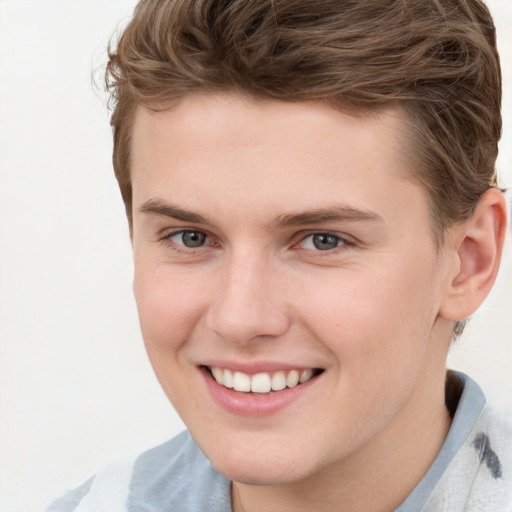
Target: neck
pixel 391 466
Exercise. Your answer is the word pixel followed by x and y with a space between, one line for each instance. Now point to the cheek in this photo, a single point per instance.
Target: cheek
pixel 169 307
pixel 369 317
pixel 168 313
pixel 377 330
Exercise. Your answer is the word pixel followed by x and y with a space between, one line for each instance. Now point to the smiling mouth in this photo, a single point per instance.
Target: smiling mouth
pixel 262 383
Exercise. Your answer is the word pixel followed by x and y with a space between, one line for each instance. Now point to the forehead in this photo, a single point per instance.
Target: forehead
pixel 255 156
pixel 243 120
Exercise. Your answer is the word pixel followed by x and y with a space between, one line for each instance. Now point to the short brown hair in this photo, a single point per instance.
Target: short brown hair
pixel 437 59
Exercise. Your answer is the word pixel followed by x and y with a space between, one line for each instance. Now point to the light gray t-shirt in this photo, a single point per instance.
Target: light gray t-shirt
pixel 472 472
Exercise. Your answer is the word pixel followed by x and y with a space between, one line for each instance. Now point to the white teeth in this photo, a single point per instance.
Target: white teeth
pixel 228 379
pixel 293 379
pixel 218 375
pixel 278 381
pixel 241 382
pixel 260 382
pixel 305 375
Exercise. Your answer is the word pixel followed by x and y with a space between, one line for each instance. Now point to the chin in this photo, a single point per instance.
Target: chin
pixel 262 465
pixel 251 473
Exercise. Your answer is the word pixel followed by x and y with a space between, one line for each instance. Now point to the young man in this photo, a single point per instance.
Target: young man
pixel 314 212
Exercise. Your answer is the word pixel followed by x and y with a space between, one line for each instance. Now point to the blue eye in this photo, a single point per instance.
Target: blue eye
pixel 190 239
pixel 322 242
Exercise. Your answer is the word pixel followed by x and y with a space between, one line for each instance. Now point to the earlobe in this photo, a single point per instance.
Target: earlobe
pixel 478 254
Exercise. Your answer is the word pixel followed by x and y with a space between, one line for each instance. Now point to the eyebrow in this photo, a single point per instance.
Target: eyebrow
pixel 317 216
pixel 334 214
pixel 159 207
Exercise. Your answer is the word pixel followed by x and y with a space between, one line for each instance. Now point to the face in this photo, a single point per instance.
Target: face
pixel 281 248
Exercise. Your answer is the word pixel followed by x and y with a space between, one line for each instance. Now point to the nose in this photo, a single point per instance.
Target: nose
pixel 248 304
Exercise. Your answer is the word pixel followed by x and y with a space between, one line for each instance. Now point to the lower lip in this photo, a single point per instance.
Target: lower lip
pixel 248 404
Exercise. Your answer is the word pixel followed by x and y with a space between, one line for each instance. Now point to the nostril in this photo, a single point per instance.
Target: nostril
pixel 248 325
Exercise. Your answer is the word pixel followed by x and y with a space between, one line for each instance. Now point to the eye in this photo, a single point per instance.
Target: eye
pixel 322 242
pixel 189 238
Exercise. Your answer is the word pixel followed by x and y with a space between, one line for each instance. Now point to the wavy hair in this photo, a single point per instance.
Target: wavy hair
pixel 435 59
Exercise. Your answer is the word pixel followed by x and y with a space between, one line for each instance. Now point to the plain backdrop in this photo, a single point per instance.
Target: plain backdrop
pixel 76 389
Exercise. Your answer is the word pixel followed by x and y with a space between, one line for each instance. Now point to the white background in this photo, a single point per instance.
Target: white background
pixel 76 389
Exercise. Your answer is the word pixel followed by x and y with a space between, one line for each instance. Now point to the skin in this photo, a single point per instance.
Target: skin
pixel 373 312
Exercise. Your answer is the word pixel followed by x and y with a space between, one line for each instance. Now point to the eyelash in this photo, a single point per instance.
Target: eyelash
pixel 344 242
pixel 181 248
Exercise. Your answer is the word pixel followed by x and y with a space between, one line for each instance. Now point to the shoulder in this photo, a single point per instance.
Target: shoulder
pixel 71 500
pixel 178 472
pixel 489 448
pixel 174 472
pixel 473 470
pixel 479 477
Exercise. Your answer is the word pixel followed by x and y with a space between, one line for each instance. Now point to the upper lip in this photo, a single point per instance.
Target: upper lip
pixel 253 367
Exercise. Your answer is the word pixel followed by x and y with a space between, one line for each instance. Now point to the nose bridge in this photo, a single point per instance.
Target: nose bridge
pixel 248 304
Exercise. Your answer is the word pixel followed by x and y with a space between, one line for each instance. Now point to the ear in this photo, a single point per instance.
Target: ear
pixel 478 245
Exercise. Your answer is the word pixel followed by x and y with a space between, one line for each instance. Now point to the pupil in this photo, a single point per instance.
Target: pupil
pixel 324 242
pixel 193 238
